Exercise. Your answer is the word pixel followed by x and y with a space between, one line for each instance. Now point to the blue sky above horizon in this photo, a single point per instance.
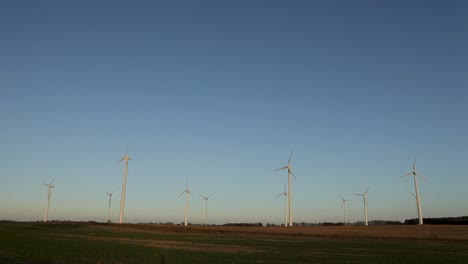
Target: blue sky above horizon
pixel 221 92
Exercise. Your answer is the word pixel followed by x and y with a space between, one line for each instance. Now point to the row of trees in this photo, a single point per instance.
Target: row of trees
pixel 461 220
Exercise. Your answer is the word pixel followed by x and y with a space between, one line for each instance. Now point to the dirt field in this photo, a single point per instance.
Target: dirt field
pixel 454 233
pixel 83 242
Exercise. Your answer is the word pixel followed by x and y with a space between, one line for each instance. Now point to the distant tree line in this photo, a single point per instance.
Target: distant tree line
pixel 460 220
pixel 259 224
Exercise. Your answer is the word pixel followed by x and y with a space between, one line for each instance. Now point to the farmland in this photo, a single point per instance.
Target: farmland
pixel 69 242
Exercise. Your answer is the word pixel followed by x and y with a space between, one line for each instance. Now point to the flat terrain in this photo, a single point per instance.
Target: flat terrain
pixel 68 242
pixel 425 232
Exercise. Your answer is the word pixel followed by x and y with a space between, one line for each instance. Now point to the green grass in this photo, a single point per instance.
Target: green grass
pixel 88 243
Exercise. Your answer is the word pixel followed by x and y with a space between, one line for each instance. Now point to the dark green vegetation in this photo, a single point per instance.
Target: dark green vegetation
pixel 460 220
pixel 100 243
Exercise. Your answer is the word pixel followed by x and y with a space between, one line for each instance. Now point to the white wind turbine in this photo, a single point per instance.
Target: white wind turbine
pixel 206 207
pixel 126 158
pixel 290 173
pixel 187 192
pixel 343 204
pixel 49 192
pixel 414 195
pixel 364 197
pixel 110 200
pixel 418 200
pixel 285 205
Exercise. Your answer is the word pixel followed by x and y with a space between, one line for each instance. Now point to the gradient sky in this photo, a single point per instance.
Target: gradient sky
pixel 221 92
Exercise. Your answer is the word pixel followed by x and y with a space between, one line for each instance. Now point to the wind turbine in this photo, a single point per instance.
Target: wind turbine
pixel 343 204
pixel 49 192
pixel 285 204
pixel 187 192
pixel 206 207
pixel 364 197
pixel 126 158
pixel 110 199
pixel 414 195
pixel 418 200
pixel 290 172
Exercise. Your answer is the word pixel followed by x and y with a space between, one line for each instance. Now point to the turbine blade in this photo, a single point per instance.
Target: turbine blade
pixel 120 160
pixel 420 175
pixel 293 175
pixel 407 174
pixel 181 194
pixel 209 195
pixel 282 168
pixel 358 194
pixel 203 197
pixel 414 164
pixel 189 192
pixel 290 156
pixel 341 197
pixel 52 180
pixel 279 195
pixel 186 182
pixel 45 184
pixel 366 190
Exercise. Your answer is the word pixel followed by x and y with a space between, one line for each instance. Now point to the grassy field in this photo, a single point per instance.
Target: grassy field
pixel 100 243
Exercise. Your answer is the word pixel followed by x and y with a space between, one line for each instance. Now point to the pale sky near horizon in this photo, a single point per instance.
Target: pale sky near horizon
pixel 221 92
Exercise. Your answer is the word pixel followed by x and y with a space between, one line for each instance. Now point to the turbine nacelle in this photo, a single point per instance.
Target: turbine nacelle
pixel 343 200
pixel 110 194
pixel 414 172
pixel 126 158
pixel 185 191
pixel 364 194
pixel 206 197
pixel 290 170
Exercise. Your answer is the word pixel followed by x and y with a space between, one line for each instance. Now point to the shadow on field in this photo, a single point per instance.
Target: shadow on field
pixel 12 261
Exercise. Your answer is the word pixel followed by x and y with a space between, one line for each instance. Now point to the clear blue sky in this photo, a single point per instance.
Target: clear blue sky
pixel 221 91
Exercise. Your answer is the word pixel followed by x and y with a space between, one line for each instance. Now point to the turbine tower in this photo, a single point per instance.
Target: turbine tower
pixel 187 192
pixel 285 204
pixel 108 210
pixel 343 204
pixel 418 200
pixel 49 192
pixel 290 173
pixel 364 197
pixel 126 158
pixel 206 207
pixel 414 195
